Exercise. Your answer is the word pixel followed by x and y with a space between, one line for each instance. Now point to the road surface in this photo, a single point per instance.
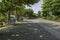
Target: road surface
pixel 27 30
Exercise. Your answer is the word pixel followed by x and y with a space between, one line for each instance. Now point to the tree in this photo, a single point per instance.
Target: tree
pixel 39 13
pixel 11 4
pixel 29 13
pixel 20 10
pixel 46 7
pixel 51 7
pixel 8 6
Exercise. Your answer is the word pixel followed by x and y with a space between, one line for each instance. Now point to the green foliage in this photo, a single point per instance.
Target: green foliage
pixel 39 13
pixel 51 9
pixel 20 10
pixel 35 15
pixel 7 5
pixel 14 5
pixel 29 13
pixel 51 6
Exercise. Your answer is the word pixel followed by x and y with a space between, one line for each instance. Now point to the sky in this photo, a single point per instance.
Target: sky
pixel 0 0
pixel 36 7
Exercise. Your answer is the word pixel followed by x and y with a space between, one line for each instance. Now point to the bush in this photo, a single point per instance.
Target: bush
pixel 54 18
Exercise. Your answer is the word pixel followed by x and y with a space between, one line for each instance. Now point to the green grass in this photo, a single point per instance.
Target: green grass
pixel 55 18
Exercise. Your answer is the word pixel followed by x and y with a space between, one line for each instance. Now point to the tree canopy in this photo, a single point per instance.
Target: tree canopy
pixel 6 5
pixel 51 7
pixel 29 12
pixel 15 5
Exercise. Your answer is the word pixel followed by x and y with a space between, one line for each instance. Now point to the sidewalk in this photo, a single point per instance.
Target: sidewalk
pixel 51 26
pixel 5 27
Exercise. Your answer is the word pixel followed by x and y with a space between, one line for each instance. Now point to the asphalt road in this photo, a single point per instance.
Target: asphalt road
pixel 26 31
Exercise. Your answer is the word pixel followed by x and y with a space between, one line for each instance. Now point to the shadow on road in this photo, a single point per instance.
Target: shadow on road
pixel 26 31
pixel 52 26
